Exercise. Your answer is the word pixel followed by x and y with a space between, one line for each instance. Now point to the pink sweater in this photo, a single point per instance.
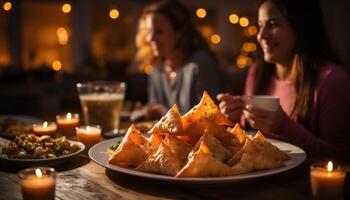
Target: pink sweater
pixel 329 132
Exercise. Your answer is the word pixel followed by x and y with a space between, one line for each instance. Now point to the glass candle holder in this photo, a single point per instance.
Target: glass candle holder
pixel 327 181
pixel 38 183
pixel 46 128
pixel 67 124
pixel 89 135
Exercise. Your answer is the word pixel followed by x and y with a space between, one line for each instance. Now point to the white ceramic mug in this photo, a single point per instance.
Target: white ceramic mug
pixel 266 102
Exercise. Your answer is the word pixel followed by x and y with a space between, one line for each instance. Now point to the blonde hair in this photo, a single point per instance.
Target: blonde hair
pixel 144 55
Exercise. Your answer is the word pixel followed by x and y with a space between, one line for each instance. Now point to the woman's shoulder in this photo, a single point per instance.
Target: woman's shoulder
pixel 333 77
pixel 330 72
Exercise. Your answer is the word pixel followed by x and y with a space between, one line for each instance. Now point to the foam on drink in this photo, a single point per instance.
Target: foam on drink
pixel 102 109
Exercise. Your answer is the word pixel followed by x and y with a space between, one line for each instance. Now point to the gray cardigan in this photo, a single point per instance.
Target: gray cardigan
pixel 199 73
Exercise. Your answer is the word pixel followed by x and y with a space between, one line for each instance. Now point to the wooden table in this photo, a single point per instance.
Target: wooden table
pixel 81 178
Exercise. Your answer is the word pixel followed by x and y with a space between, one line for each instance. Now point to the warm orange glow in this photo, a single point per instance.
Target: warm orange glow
pixel 148 69
pixel 252 30
pixel 205 148
pixel 215 38
pixel 7 6
pixel 66 8
pixel 206 30
pixel 243 61
pixel 69 116
pixel 233 18
pixel 249 47
pixel 243 21
pixel 56 65
pixel 114 13
pixel 38 173
pixel 62 35
pixel 128 19
pixel 201 13
pixel 330 166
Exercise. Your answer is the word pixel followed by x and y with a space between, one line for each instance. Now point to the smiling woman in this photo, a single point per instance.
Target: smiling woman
pixel 297 67
pixel 183 65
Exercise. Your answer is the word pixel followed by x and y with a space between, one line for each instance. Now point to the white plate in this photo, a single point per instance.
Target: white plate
pixel 99 154
pixel 41 162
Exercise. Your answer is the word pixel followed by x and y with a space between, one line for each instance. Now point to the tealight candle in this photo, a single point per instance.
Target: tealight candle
pixel 67 124
pixel 38 183
pixel 89 135
pixel 46 128
pixel 327 182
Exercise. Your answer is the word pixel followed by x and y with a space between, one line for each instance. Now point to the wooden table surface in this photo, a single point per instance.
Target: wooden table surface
pixel 82 179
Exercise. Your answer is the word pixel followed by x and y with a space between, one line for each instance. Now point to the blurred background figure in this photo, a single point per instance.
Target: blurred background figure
pixel 297 67
pixel 183 65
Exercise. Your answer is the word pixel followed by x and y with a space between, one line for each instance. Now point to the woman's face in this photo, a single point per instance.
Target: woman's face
pixel 161 35
pixel 276 36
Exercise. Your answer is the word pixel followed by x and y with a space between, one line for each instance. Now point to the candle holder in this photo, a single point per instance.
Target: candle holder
pixel 327 181
pixel 46 128
pixel 38 183
pixel 89 135
pixel 67 124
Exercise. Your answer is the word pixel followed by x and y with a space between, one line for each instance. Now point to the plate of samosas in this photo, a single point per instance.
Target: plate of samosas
pixel 201 146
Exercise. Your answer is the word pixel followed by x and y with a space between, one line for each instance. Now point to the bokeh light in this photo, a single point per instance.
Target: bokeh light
pixel 243 61
pixel 233 18
pixel 215 39
pixel 7 6
pixel 66 8
pixel 114 13
pixel 148 69
pixel 62 35
pixel 56 65
pixel 244 22
pixel 201 12
pixel 249 47
pixel 252 30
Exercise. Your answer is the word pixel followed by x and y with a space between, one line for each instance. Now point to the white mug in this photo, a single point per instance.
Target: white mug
pixel 266 102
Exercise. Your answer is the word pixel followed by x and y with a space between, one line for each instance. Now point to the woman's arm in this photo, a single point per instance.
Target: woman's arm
pixel 330 120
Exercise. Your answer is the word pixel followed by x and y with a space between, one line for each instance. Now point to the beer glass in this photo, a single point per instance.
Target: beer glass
pixel 102 102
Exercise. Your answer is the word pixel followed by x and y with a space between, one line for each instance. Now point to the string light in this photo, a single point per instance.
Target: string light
pixel 233 18
pixel 56 65
pixel 66 8
pixel 148 69
pixel 201 13
pixel 62 35
pixel 114 13
pixel 243 61
pixel 243 21
pixel 249 47
pixel 252 30
pixel 215 38
pixel 7 6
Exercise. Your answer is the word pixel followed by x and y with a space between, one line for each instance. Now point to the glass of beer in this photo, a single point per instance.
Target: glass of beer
pixel 102 102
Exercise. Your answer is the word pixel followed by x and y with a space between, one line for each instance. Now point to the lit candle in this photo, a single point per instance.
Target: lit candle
pixel 46 128
pixel 38 183
pixel 89 135
pixel 67 124
pixel 327 182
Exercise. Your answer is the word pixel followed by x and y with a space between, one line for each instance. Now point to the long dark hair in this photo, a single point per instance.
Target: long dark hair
pixel 179 17
pixel 305 18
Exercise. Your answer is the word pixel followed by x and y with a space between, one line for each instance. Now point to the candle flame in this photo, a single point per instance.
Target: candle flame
pixel 330 166
pixel 38 173
pixel 45 124
pixel 88 128
pixel 69 116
